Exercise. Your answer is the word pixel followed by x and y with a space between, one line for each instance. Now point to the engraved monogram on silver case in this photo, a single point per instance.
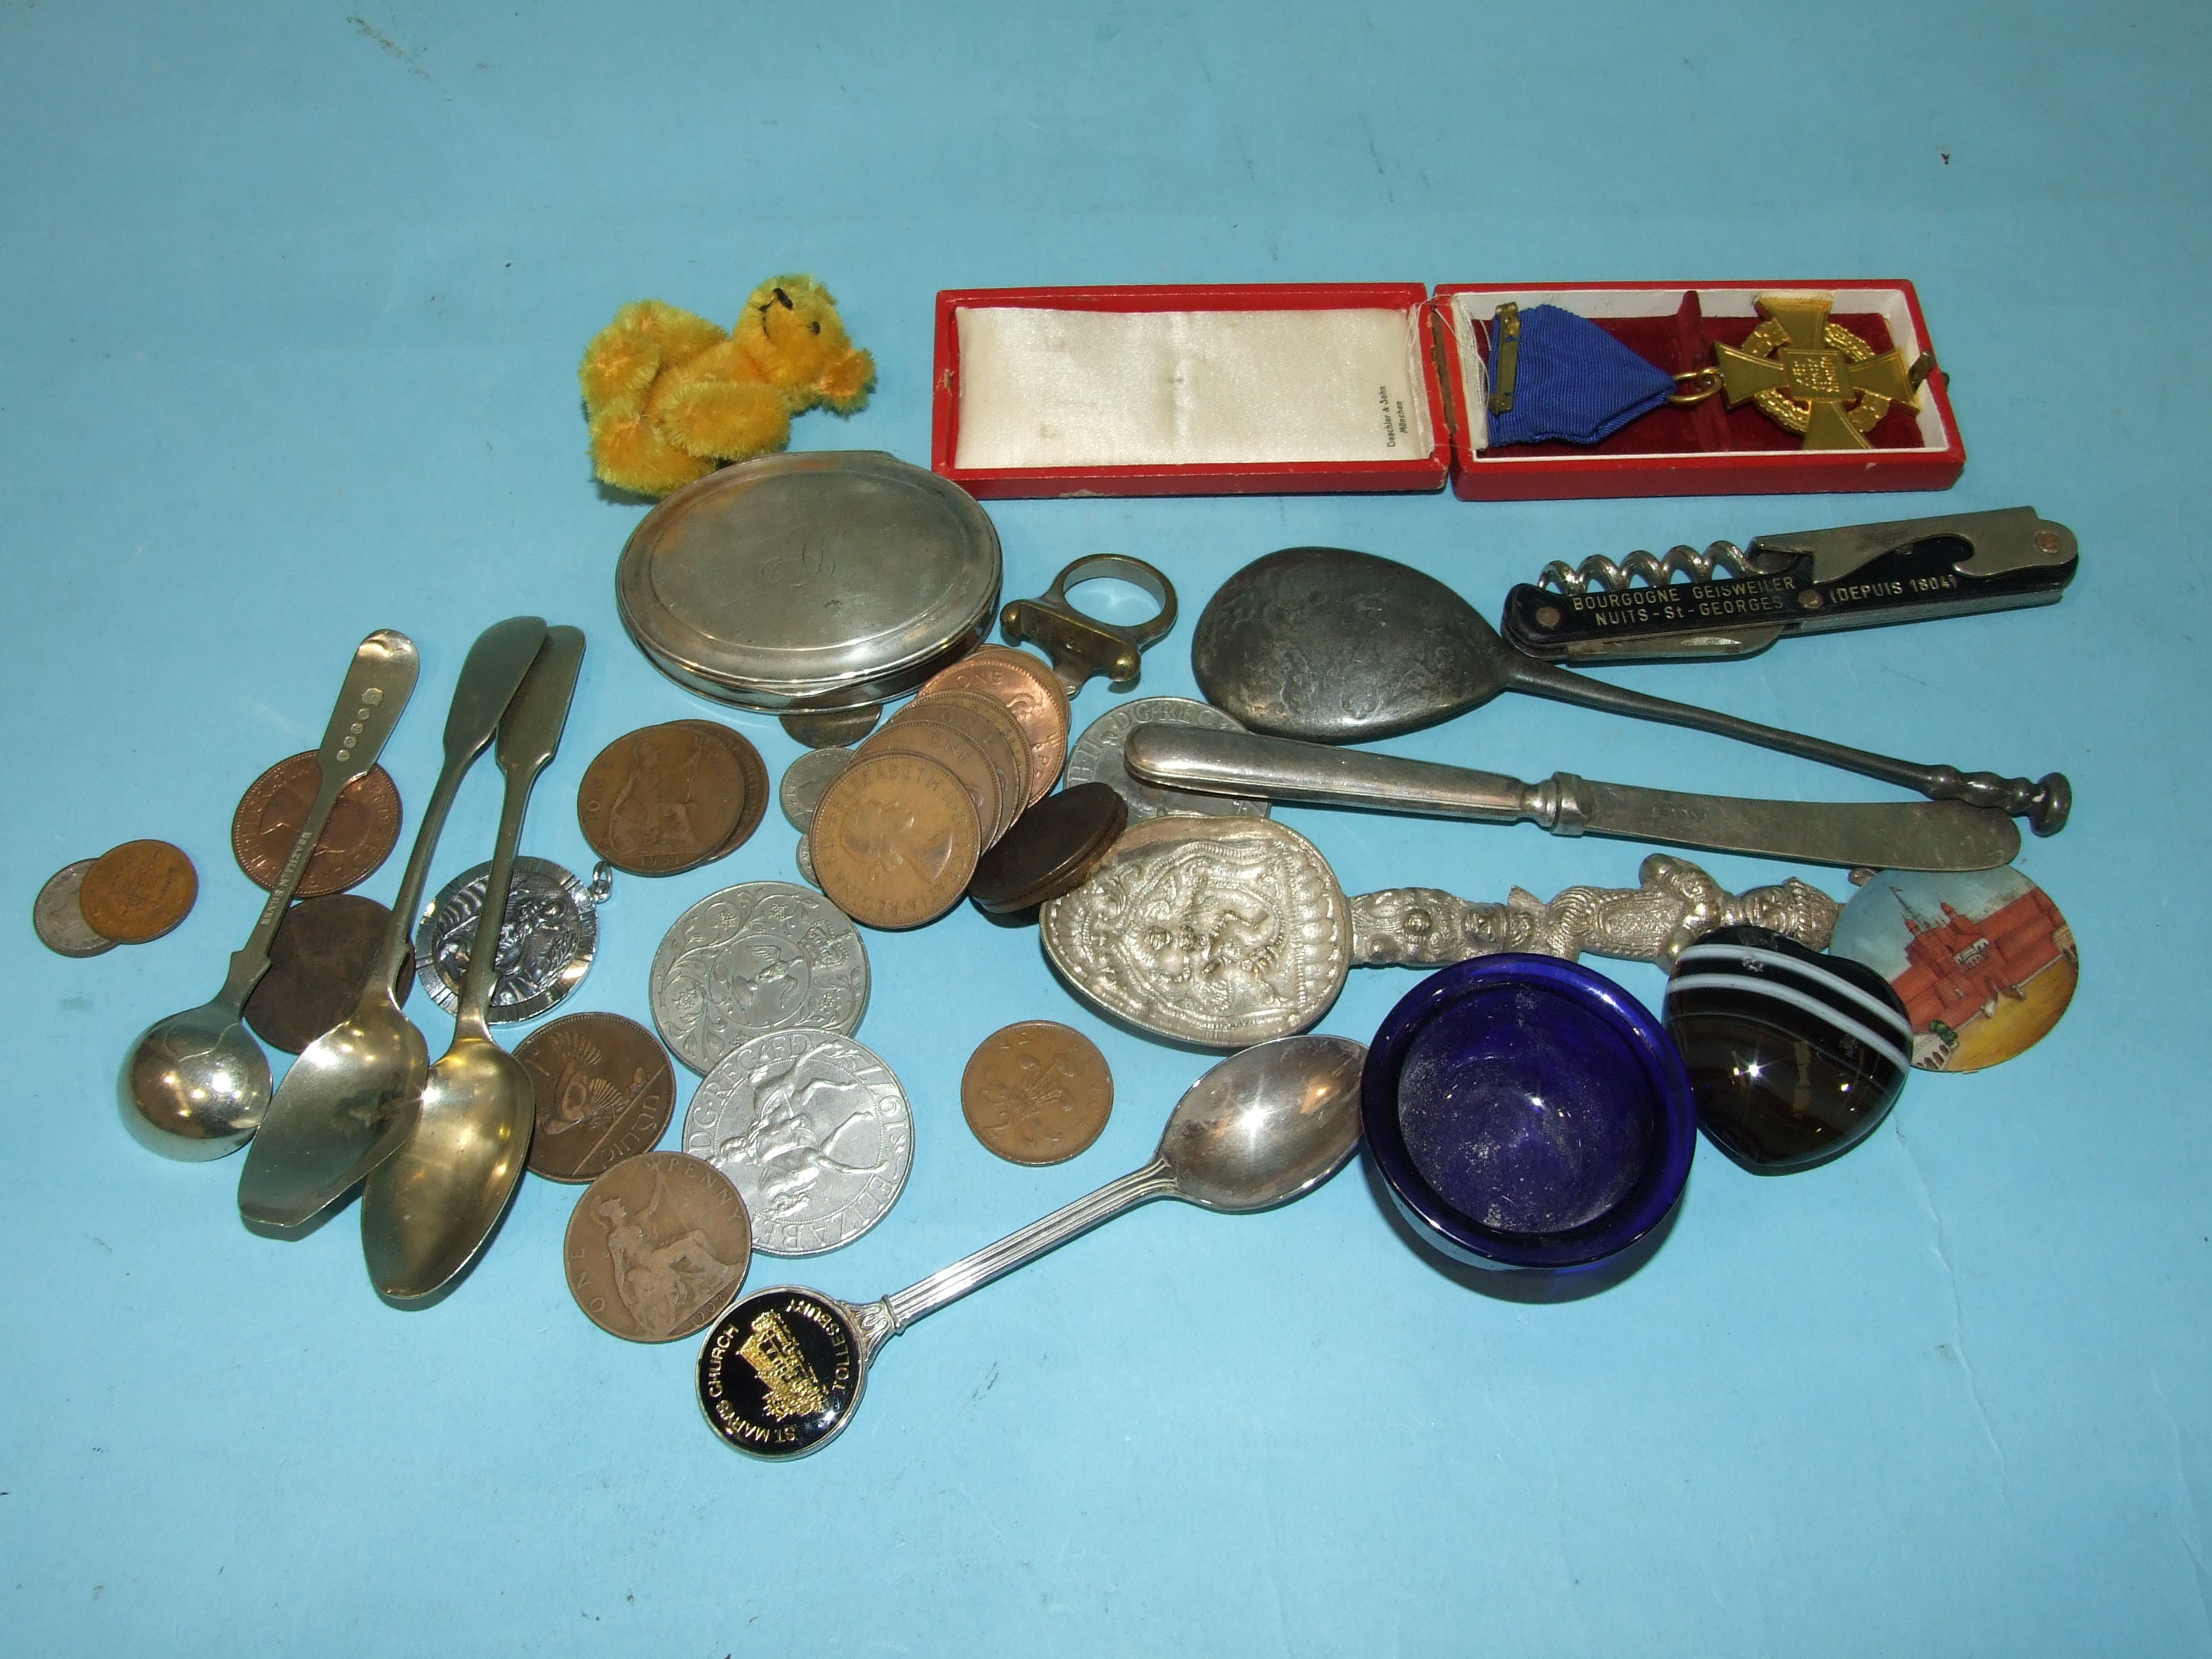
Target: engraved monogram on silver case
pixel 546 940
pixel 761 957
pixel 1096 758
pixel 814 1129
pixel 1218 932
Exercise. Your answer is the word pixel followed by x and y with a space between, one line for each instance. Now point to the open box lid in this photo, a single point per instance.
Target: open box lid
pixel 1345 387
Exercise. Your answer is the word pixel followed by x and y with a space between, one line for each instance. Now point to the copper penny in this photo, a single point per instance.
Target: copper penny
pixel 58 919
pixel 1036 1092
pixel 138 891
pixel 1031 692
pixel 895 840
pixel 661 800
pixel 657 1247
pixel 319 964
pixel 605 1092
pixel 357 837
pixel 957 753
pixel 1052 850
pixel 995 729
pixel 754 770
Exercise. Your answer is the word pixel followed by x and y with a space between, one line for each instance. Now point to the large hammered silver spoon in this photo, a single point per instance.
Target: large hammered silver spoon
pixel 781 1371
pixel 429 1207
pixel 351 1097
pixel 1338 646
pixel 196 1083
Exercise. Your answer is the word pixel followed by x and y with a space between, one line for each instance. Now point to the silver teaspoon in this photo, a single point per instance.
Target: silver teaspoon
pixel 196 1083
pixel 430 1206
pixel 781 1371
pixel 351 1097
pixel 1338 647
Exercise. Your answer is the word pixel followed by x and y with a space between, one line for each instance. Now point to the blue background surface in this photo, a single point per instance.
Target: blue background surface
pixel 294 298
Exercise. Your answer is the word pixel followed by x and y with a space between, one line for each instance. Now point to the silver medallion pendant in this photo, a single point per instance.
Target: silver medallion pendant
pixel 546 939
pixel 812 1129
pixel 1096 758
pixel 761 956
pixel 1218 931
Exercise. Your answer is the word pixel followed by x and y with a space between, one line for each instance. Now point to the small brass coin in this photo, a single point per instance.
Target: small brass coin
pixel 657 1247
pixel 138 891
pixel 895 840
pixel 663 799
pixel 58 919
pixel 357 837
pixel 1052 849
pixel 1036 1092
pixel 1031 692
pixel 605 1091
pixel 319 964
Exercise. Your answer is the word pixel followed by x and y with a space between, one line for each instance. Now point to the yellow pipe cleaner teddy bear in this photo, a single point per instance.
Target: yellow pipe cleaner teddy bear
pixel 669 396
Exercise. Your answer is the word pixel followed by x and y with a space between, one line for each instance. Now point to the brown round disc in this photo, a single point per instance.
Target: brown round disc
pixel 319 964
pixel 657 1247
pixel 895 840
pixel 957 753
pixel 1031 692
pixel 754 770
pixel 662 800
pixel 58 919
pixel 357 837
pixel 998 734
pixel 138 891
pixel 1036 1092
pixel 1052 850
pixel 836 728
pixel 605 1092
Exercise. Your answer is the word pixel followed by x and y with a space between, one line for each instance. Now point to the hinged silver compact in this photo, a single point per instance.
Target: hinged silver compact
pixel 824 581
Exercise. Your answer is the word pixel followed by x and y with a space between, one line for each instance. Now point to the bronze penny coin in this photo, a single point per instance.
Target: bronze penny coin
pixel 605 1092
pixel 661 800
pixel 1051 850
pixel 657 1247
pixel 1031 692
pixel 357 837
pixel 997 733
pixel 957 753
pixel 138 891
pixel 754 770
pixel 1036 1092
pixel 895 840
pixel 58 919
pixel 319 964
pixel 835 728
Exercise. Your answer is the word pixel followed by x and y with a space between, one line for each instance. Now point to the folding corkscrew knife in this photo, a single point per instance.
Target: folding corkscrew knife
pixel 1738 601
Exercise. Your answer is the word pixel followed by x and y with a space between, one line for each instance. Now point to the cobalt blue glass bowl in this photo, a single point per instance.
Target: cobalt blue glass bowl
pixel 1528 1113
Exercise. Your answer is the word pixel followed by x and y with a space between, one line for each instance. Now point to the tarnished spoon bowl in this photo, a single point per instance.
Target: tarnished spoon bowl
pixel 443 1191
pixel 352 1093
pixel 196 1084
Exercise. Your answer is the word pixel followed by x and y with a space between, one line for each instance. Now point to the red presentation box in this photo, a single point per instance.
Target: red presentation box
pixel 1346 388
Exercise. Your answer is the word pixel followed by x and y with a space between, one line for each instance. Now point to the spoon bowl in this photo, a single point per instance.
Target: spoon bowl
pixel 444 1191
pixel 1265 1126
pixel 196 1084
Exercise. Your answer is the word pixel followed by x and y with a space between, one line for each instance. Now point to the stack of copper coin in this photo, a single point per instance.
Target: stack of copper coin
pixel 667 798
pixel 897 835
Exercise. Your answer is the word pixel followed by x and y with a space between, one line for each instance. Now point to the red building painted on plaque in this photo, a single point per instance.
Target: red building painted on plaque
pixel 1958 966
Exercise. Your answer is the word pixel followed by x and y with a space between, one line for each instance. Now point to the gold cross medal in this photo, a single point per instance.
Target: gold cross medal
pixel 1812 376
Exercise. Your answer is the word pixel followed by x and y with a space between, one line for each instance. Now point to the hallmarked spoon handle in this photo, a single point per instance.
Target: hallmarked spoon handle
pixel 1155 1180
pixel 529 736
pixel 496 663
pixel 2045 804
pixel 375 693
